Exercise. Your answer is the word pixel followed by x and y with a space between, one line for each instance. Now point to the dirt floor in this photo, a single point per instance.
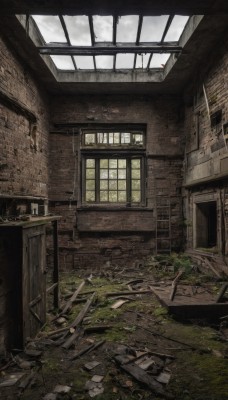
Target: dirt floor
pixel 116 341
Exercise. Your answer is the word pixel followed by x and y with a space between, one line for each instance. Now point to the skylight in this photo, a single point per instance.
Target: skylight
pixel 97 42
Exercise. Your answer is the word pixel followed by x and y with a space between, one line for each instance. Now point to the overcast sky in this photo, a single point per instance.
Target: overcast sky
pixel 79 33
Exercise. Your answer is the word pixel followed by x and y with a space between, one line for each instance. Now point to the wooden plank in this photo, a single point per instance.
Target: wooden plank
pixel 142 377
pixel 72 299
pixel 174 284
pixel 221 292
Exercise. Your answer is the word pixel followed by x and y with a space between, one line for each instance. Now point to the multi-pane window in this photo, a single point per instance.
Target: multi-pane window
pixel 110 139
pixel 113 180
pixel 116 176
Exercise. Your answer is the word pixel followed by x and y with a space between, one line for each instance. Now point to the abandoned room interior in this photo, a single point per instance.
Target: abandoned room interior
pixel 113 199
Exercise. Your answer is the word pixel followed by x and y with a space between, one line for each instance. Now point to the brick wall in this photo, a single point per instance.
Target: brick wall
pixel 24 142
pixel 101 232
pixel 206 161
pixel 24 130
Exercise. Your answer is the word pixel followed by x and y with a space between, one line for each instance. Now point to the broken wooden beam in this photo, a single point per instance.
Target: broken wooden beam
pixel 133 292
pixel 87 350
pixel 141 376
pixel 72 299
pixel 221 292
pixel 174 284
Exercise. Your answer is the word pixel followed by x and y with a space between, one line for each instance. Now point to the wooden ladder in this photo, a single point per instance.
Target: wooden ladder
pixel 163 224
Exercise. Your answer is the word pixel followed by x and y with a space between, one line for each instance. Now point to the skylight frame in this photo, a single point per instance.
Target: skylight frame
pixel 113 47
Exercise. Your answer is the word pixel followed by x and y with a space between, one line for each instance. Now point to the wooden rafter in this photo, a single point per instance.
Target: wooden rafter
pixel 67 37
pixel 93 38
pixel 169 21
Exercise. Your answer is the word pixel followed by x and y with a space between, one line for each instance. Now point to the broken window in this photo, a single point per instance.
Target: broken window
pixel 116 177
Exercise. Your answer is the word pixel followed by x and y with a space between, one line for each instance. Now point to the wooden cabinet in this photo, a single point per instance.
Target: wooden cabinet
pixel 24 277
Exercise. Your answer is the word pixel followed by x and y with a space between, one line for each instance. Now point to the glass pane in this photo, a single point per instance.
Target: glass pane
pixel 135 173
pixel 110 135
pixel 90 173
pixel 122 185
pixel 176 28
pixel 122 173
pixel 122 196
pixel 104 62
pixel 121 163
pixel 50 28
pixel 116 138
pixel 113 174
pixel 142 60
pixel 124 61
pixel 104 174
pixel 112 163
pixel 90 196
pixel 90 163
pixel 84 62
pixel 127 28
pixel 104 185
pixel 135 184
pixel 125 137
pixel 103 195
pixel 78 29
pixel 135 164
pixel 102 138
pixel 90 184
pixel 103 163
pixel 113 185
pixel 135 196
pixel 103 28
pixel 137 138
pixel 159 60
pixel 153 28
pixel 63 62
pixel 113 197
pixel 90 138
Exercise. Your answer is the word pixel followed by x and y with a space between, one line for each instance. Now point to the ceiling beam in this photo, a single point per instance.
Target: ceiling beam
pixel 93 38
pixel 108 50
pixel 120 7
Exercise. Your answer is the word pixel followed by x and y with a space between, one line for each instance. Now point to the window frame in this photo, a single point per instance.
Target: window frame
pixel 127 152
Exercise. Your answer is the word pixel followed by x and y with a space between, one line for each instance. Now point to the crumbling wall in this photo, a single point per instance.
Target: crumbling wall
pixel 206 160
pixel 24 130
pixel 91 237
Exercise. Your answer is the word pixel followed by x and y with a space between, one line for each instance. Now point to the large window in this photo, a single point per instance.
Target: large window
pixel 113 176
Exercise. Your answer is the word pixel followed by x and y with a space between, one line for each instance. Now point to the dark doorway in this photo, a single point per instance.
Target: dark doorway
pixel 206 224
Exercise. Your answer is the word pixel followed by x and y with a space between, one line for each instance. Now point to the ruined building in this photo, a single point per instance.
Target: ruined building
pixel 114 116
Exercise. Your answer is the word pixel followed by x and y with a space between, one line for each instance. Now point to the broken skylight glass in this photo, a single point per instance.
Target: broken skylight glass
pixel 127 28
pixel 78 29
pixel 50 28
pixel 84 62
pixel 153 28
pixel 104 62
pixel 124 61
pixel 176 28
pixel 103 28
pixel 142 60
pixel 159 60
pixel 63 62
